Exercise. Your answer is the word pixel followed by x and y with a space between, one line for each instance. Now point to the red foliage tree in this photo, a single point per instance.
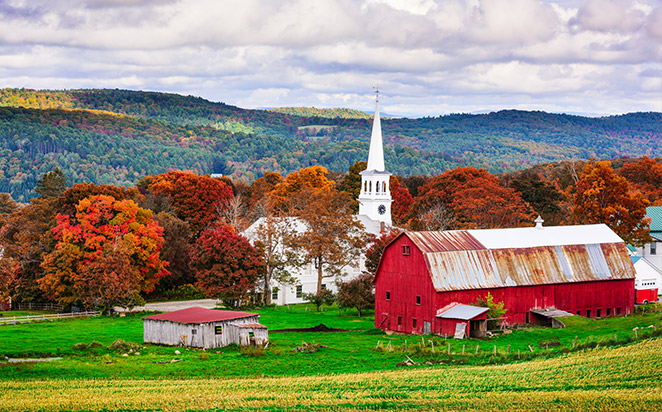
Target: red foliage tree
pixel 374 253
pixel 471 198
pixel 105 255
pixel 357 293
pixel 225 264
pixel 402 201
pixel 195 198
pixel 603 197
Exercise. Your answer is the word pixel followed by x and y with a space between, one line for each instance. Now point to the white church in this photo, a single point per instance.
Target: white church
pixel 374 213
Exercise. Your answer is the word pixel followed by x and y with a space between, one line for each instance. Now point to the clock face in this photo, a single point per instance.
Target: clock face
pixel 381 209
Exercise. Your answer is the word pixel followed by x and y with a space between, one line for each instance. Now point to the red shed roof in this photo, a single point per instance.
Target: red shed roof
pixel 200 315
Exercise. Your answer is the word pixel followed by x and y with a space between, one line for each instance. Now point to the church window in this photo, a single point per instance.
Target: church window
pixel 365 186
pixel 384 187
pixel 653 248
pixel 377 187
pixel 370 187
pixel 299 291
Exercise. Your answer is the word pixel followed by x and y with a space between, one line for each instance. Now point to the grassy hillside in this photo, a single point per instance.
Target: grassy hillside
pixel 148 124
pixel 343 113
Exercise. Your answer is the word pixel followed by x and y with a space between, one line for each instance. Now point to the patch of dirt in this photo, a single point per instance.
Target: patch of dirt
pixel 319 328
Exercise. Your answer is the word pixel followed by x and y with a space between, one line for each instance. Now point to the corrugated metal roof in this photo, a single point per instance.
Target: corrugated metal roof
pixel 655 213
pixel 459 311
pixel 500 265
pixel 200 315
pixel 444 241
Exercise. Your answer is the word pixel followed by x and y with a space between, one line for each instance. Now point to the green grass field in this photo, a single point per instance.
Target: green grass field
pixel 93 372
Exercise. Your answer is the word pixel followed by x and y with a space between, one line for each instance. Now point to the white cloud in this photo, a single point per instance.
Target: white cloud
pixel 434 55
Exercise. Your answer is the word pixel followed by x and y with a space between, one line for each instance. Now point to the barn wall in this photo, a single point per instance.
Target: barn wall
pixel 405 277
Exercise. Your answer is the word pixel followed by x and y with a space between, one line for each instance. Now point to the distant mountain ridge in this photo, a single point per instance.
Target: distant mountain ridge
pixel 155 132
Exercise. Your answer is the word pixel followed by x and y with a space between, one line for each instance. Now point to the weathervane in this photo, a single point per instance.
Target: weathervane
pixel 377 91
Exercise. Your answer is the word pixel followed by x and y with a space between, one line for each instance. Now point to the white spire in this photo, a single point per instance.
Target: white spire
pixel 376 154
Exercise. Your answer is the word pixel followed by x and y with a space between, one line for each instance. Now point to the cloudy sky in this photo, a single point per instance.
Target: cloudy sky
pixel 429 57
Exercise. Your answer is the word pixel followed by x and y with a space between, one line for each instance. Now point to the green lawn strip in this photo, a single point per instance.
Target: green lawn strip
pixel 621 378
pixel 345 352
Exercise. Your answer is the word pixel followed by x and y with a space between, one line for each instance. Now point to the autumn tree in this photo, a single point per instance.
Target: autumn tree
pixel 195 198
pixel 269 238
pixel 105 255
pixel 260 201
pixel 25 237
pixel 311 178
pixel 226 265
pixel 70 198
pixel 357 293
pixel 374 252
pixel 322 297
pixel 603 197
pixel 543 196
pixel 8 269
pixel 645 175
pixel 352 181
pixel 7 207
pixel 402 201
pixel 333 237
pixel 177 239
pixel 471 198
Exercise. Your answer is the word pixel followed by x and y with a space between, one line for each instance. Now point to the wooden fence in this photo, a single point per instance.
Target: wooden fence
pixel 13 320
pixel 36 306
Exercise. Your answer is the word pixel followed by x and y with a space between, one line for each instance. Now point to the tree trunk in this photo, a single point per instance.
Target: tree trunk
pixel 267 285
pixel 320 274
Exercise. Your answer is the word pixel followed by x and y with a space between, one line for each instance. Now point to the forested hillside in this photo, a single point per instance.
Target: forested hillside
pixel 118 136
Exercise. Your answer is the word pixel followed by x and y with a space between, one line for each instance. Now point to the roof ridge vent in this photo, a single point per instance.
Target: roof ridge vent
pixel 539 221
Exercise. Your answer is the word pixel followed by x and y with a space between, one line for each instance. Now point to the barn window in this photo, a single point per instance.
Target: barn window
pixel 405 250
pixel 653 249
pixel 388 295
pixel 618 311
pixel 413 323
pixel 299 291
pixel 608 311
pixel 194 331
pixel 528 318
pixel 251 334
pixel 218 330
pixel 399 320
pixel 418 300
pixel 588 313
pixel 598 312
pixel 579 313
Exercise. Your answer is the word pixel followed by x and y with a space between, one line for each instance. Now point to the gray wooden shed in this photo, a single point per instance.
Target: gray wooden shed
pixel 204 328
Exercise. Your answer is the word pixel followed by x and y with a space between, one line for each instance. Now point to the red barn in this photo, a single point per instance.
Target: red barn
pixel 585 270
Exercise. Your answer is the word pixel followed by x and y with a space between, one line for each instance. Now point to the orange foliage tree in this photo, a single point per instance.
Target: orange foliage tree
pixel 603 197
pixel 467 197
pixel 314 177
pixel 195 198
pixel 645 175
pixel 106 255
pixel 402 201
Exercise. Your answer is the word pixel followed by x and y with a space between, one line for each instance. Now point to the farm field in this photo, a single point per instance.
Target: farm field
pixel 603 379
pixel 537 367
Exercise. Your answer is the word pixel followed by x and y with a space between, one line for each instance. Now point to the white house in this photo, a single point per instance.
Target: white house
pixel 374 213
pixel 652 252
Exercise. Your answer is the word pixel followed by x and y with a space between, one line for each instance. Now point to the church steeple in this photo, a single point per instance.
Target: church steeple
pixel 376 153
pixel 375 197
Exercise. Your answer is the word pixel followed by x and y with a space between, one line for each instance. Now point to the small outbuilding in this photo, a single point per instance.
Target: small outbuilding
pixel 462 321
pixel 204 328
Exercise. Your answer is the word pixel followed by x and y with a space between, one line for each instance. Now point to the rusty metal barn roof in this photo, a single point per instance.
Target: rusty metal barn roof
pixel 200 315
pixel 475 259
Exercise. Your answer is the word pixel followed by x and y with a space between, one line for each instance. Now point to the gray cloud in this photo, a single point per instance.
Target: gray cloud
pixel 429 56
